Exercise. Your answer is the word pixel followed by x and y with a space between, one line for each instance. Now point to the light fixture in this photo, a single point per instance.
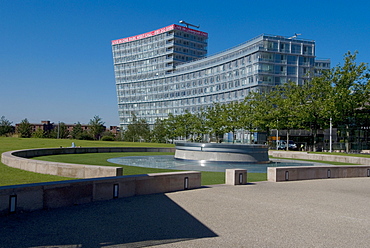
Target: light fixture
pixel 115 190
pixel 186 183
pixel 12 203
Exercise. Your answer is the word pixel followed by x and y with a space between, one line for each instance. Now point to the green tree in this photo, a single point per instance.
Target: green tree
pixel 60 131
pixel 351 91
pixel 5 126
pixel 287 100
pixel 137 130
pixel 108 136
pixel 235 116
pixel 77 131
pixel 215 120
pixel 185 125
pixel 86 135
pixel 159 132
pixel 96 127
pixel 199 126
pixel 315 105
pixel 39 133
pixel 63 131
pixel 172 126
pixel 24 129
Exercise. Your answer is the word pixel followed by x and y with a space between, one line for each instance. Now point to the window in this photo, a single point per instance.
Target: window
pixel 292 70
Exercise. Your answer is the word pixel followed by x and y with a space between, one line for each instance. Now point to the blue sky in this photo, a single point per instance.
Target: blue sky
pixel 56 60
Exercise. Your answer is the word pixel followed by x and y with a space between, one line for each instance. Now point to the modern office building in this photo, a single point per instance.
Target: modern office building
pixel 167 70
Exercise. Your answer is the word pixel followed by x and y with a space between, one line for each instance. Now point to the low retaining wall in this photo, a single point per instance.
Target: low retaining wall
pixel 31 197
pixel 281 174
pixel 19 159
pixel 322 157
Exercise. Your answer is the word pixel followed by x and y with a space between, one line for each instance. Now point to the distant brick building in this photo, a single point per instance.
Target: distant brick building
pixel 48 126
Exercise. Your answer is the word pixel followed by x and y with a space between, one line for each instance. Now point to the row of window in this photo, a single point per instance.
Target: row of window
pixel 140 56
pixel 288 47
pixel 188 44
pixel 162 109
pixel 140 42
pixel 169 85
pixel 234 95
pixel 140 95
pixel 189 36
pixel 239 59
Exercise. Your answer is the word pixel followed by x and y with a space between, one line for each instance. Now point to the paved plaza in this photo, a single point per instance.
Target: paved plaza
pixel 315 213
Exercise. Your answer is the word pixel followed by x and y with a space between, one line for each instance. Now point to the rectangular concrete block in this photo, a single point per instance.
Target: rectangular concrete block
pixel 236 177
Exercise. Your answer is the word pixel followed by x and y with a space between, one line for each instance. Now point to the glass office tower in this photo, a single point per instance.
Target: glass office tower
pixel 167 70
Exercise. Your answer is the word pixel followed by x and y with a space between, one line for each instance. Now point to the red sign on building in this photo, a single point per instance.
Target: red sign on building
pixel 159 31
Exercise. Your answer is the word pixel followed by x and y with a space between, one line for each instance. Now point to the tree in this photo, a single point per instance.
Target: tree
pixel 351 91
pixel 199 126
pixel 316 106
pixel 63 131
pixel 159 132
pixel 24 129
pixel 185 125
pixel 59 132
pixel 287 100
pixel 39 133
pixel 234 116
pixel 96 127
pixel 172 126
pixel 5 126
pixel 137 130
pixel 77 131
pixel 215 120
pixel 108 136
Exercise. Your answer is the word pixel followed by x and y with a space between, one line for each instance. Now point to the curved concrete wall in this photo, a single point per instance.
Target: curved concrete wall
pixel 222 152
pixel 19 159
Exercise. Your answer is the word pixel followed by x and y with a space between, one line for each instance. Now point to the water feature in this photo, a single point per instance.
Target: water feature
pixel 221 152
pixel 169 162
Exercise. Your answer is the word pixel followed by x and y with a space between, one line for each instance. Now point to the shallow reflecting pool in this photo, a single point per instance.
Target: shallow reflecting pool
pixel 169 162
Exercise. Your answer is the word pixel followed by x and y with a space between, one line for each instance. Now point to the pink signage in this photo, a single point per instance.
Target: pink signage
pixel 159 31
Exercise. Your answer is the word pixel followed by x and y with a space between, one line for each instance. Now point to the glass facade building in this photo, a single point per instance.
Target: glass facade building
pixel 168 71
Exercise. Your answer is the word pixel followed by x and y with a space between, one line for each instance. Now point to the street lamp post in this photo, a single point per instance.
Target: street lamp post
pixel 58 129
pixel 330 135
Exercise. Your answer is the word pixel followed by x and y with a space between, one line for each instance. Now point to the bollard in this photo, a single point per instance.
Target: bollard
pixel 235 176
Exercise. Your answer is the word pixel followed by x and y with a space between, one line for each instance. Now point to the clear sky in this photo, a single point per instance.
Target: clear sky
pixel 56 60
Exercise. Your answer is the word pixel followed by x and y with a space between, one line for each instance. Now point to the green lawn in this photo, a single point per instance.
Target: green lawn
pixel 208 178
pixel 12 176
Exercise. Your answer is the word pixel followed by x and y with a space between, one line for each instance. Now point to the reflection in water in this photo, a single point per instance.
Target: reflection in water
pixel 169 162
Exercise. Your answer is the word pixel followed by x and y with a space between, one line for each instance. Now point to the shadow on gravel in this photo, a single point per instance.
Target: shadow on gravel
pixel 131 222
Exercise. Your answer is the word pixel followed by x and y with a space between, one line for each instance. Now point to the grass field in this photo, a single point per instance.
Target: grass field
pixel 12 176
